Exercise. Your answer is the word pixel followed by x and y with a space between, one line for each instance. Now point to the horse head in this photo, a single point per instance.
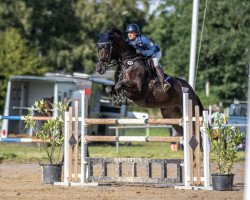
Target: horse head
pixel 106 48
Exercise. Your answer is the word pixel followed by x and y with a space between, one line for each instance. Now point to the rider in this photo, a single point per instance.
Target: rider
pixel 145 47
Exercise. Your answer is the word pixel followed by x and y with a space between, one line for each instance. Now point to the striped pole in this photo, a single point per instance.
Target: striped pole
pixel 111 121
pixel 21 140
pixel 18 118
pixel 90 138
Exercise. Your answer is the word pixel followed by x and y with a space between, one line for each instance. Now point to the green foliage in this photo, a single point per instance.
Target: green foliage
pixel 98 16
pixel 63 31
pixel 224 55
pixel 170 27
pixel 224 142
pixel 16 58
pixel 50 132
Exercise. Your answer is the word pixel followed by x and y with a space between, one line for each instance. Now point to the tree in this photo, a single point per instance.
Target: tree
pixel 54 29
pixel 169 27
pixel 50 26
pixel 64 31
pixel 224 54
pixel 225 49
pixel 16 58
pixel 98 16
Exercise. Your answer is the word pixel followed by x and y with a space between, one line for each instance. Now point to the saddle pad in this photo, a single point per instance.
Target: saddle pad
pixel 169 79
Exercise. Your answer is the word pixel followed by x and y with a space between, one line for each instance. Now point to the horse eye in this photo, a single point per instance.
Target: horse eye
pixel 107 45
pixel 100 46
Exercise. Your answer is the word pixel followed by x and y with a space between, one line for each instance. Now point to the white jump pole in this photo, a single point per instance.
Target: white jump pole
pixel 83 140
pixel 84 113
pixel 186 138
pixel 66 148
pixel 206 151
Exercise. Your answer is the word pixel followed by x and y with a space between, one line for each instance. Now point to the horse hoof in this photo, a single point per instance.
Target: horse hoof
pixel 116 104
pixel 129 102
pixel 108 89
pixel 118 87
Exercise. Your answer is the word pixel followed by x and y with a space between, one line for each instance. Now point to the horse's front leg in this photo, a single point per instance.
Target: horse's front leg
pixel 114 96
pixel 126 84
pixel 118 83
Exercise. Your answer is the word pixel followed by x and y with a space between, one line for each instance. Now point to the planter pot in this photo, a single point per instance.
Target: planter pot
pixel 51 173
pixel 222 182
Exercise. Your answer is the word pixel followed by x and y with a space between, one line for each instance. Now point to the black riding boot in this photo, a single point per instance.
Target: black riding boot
pixel 160 74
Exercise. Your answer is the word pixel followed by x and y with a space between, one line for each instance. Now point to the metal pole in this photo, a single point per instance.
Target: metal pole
pixel 117 142
pixel 55 112
pixel 193 43
pixel 22 97
pixel 147 130
pixel 5 123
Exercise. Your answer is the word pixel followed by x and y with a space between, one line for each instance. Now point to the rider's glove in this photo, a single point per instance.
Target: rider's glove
pixel 138 51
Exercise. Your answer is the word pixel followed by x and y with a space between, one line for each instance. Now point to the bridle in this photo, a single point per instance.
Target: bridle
pixel 101 45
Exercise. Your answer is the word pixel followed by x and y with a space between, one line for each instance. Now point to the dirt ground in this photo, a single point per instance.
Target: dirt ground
pixel 23 181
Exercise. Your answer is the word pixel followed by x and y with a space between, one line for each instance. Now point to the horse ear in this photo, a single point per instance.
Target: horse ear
pixel 98 35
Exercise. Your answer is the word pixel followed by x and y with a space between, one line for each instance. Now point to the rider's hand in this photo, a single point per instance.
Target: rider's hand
pixel 138 51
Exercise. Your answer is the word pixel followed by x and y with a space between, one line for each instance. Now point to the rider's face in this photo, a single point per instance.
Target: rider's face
pixel 131 35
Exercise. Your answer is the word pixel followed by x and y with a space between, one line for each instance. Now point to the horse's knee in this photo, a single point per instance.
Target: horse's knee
pixel 118 86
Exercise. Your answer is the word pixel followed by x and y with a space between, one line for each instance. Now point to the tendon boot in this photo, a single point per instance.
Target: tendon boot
pixel 160 74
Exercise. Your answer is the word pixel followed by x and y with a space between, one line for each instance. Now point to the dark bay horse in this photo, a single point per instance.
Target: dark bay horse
pixel 135 80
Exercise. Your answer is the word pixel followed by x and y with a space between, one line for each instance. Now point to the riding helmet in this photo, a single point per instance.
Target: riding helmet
pixel 133 28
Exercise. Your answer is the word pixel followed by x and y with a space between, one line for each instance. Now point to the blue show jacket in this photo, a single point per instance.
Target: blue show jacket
pixel 144 45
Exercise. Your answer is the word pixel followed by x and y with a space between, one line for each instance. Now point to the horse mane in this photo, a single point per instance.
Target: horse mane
pixel 115 31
